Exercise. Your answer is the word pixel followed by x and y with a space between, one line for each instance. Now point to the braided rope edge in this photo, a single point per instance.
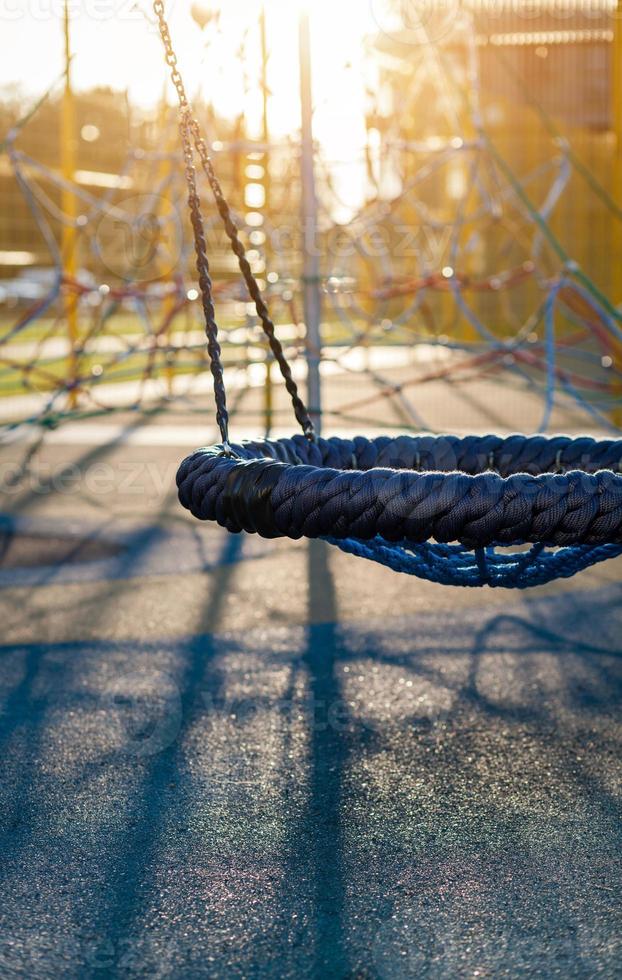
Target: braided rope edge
pixel 478 491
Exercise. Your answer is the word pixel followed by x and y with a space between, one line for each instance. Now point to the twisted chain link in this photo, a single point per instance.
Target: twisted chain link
pixel 171 57
pixel 205 285
pixel 191 134
pixel 196 219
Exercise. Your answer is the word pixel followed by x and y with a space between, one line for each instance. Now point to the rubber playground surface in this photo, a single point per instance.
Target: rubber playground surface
pixel 229 757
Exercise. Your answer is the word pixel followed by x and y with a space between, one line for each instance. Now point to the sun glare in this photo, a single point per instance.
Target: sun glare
pixel 117 45
pixel 338 32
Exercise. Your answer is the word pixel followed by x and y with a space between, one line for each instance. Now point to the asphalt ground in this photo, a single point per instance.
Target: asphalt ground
pixel 227 757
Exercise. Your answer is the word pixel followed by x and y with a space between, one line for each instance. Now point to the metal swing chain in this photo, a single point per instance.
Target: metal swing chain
pixel 202 261
pixel 191 133
pixel 205 285
pixel 300 409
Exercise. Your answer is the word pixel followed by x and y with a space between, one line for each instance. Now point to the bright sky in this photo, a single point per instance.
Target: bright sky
pixel 114 44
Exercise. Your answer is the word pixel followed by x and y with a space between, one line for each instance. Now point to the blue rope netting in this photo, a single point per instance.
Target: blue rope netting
pixel 457 565
pixel 504 512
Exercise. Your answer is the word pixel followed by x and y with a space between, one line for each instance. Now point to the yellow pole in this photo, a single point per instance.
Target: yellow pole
pixel 617 191
pixel 268 392
pixel 69 234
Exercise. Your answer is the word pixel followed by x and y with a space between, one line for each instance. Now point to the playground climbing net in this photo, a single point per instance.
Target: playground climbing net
pixel 449 270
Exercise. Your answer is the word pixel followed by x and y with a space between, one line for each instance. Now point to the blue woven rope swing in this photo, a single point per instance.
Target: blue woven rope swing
pixel 437 507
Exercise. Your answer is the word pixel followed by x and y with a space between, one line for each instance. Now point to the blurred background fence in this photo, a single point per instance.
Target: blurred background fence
pixel 484 237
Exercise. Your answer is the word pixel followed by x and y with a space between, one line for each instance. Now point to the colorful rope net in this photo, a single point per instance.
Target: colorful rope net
pixel 448 271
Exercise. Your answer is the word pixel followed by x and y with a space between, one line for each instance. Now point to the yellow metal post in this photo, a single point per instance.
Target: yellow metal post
pixel 69 232
pixel 617 190
pixel 268 390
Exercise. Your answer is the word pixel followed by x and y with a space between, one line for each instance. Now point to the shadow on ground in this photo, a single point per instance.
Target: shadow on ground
pixel 439 797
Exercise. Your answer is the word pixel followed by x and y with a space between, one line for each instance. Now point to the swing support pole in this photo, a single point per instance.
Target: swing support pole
pixel 311 268
pixel 68 203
